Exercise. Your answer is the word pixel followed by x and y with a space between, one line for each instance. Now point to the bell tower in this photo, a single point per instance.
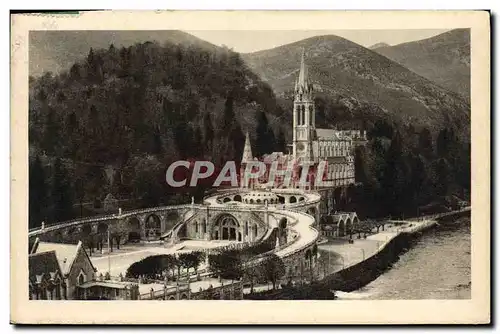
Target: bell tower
pixel 304 122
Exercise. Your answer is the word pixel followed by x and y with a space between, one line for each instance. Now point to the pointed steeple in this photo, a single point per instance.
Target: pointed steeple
pixel 303 80
pixel 247 150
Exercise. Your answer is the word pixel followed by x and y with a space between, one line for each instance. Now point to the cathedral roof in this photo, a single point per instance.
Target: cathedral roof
pixel 326 134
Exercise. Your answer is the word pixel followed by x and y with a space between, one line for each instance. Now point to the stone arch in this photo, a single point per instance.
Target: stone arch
pixel 307 254
pixel 58 236
pixel 255 231
pixel 283 222
pixel 153 225
pixel 251 201
pixel 237 198
pixel 301 199
pixel 226 227
pixel 349 227
pixel 226 199
pixel 134 229
pixel 281 199
pixel 315 250
pixel 184 296
pixel 203 226
pixel 102 228
pixel 171 219
pixel 341 232
pixel 312 211
pixel 86 229
pixel 171 298
pixel 355 221
pixel 293 199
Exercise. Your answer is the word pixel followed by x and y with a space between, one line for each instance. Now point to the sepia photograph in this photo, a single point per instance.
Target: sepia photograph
pixel 249 165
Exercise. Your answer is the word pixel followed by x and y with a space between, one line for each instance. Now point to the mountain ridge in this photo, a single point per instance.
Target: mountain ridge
pixel 444 59
pixel 352 74
pixel 56 51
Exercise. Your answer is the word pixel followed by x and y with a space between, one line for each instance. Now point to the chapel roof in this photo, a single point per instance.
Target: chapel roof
pixel 43 263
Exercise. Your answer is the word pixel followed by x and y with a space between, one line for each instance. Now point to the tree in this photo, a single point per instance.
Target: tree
pixel 252 273
pixel 37 193
pixel 227 263
pixel 191 260
pixel 61 193
pixel 265 136
pixel 237 140
pixel 425 142
pixel 274 269
pixel 228 117
pixel 281 145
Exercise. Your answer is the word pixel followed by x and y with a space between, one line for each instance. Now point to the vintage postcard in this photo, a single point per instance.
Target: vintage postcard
pixel 250 167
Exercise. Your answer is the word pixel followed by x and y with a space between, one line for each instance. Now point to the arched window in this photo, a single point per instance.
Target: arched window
pixel 311 115
pixel 81 278
pixel 254 231
pixel 303 115
pixel 196 226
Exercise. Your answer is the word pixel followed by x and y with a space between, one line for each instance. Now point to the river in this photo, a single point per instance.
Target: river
pixel 437 266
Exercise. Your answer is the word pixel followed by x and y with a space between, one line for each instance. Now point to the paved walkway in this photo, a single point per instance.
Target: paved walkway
pixel 339 253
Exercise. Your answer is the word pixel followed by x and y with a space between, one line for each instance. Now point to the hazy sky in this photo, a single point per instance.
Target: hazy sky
pixel 250 41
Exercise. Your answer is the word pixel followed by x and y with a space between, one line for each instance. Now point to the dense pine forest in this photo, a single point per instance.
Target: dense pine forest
pixel 114 121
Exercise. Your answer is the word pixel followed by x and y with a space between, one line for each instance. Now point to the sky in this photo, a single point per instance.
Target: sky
pixel 254 40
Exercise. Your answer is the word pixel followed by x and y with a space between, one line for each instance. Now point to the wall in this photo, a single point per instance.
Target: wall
pixel 81 262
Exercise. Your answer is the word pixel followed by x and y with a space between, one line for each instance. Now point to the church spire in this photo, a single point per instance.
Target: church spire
pixel 247 151
pixel 303 82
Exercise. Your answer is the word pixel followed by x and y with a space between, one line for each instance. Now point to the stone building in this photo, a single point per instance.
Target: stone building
pixel 45 278
pixel 311 145
pixel 75 266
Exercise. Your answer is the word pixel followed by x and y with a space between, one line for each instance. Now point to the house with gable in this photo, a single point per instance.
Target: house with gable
pixel 45 277
pixel 74 264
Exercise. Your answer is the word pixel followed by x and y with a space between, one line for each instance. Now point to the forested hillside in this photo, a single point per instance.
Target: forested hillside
pixel 355 85
pixel 114 122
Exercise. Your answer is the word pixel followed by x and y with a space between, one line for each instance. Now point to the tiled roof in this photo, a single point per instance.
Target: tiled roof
pixel 337 160
pixel 65 253
pixel 43 263
pixel 326 133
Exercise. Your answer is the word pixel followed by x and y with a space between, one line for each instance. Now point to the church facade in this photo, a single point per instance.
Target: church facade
pixel 313 145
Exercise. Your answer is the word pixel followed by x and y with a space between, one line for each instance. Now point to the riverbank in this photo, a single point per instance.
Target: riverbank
pixel 437 265
pixel 349 266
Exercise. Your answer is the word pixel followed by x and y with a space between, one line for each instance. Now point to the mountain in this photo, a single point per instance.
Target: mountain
pixel 56 51
pixel 379 45
pixel 444 59
pixel 355 83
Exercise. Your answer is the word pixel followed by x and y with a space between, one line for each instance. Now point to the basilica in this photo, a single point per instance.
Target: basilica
pixel 312 145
